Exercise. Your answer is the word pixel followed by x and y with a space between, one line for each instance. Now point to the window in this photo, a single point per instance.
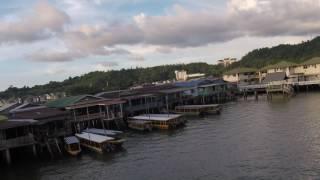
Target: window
pixel 305 67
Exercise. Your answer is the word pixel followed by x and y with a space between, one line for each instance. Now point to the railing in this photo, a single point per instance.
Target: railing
pixel 103 115
pixel 19 141
pixel 263 86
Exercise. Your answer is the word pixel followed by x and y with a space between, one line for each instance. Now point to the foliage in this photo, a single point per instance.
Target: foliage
pixel 95 82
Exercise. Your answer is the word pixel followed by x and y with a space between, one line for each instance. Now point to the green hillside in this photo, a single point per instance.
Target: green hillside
pixel 292 53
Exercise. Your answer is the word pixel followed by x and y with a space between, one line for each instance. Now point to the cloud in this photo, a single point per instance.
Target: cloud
pixel 180 27
pixel 105 66
pixel 43 22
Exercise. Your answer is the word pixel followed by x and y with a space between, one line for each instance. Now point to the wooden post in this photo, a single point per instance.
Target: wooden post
pixel 8 157
pixel 34 150
pixel 256 95
pixel 167 99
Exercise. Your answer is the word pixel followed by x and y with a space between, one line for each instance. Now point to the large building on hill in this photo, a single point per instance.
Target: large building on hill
pixel 227 61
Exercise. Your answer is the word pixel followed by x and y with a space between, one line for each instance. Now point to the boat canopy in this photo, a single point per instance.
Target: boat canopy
pixel 71 140
pixel 94 137
pixel 103 131
pixel 156 117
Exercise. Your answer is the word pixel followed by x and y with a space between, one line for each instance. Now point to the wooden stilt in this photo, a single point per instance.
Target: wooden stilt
pixel 34 150
pixel 8 156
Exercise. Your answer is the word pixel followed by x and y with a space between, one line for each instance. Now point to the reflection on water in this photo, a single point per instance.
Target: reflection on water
pixel 249 140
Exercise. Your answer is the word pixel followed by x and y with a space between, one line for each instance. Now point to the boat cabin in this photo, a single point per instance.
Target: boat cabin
pixel 161 121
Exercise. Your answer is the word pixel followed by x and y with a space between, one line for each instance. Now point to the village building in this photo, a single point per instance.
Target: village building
pixel 87 111
pixel 242 76
pixel 309 70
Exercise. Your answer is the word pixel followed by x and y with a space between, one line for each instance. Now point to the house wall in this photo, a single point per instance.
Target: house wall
pixel 231 78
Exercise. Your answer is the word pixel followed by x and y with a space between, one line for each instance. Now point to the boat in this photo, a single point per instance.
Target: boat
pixel 72 145
pixel 96 142
pixel 117 141
pixel 161 121
pixel 140 125
pixel 198 110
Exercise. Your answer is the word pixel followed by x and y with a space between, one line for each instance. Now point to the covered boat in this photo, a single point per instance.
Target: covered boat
pixel 140 125
pixel 117 135
pixel 72 145
pixel 161 121
pixel 96 142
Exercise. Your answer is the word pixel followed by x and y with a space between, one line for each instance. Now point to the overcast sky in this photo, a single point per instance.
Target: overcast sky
pixel 45 40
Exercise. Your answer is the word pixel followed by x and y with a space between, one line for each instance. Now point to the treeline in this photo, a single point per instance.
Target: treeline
pixel 95 82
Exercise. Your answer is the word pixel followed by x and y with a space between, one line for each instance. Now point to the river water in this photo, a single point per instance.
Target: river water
pixel 249 140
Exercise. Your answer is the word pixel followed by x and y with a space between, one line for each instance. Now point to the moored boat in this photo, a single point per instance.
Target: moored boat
pixel 140 125
pixel 72 145
pixel 198 109
pixel 96 142
pixel 161 121
pixel 117 141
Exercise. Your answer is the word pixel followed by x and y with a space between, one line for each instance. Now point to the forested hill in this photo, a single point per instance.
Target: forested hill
pixel 112 80
pixel 293 53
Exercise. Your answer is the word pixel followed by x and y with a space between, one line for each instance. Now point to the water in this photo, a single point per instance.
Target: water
pixel 249 140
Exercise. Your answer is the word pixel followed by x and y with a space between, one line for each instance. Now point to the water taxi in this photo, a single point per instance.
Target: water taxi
pixel 117 135
pixel 140 125
pixel 96 142
pixel 162 121
pixel 72 145
pixel 198 109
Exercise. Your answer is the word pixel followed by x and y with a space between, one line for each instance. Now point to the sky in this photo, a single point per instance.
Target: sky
pixel 51 40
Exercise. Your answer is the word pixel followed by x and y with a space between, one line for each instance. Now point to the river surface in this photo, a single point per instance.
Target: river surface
pixel 249 140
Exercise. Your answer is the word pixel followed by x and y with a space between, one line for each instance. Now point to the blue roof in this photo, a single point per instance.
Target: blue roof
pixel 71 140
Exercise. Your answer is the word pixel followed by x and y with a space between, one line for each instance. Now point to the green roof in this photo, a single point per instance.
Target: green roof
pixel 3 118
pixel 312 61
pixel 282 64
pixel 241 70
pixel 67 101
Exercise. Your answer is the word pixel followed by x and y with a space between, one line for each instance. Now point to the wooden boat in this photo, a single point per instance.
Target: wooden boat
pixel 117 141
pixel 161 121
pixel 96 142
pixel 198 109
pixel 140 125
pixel 72 145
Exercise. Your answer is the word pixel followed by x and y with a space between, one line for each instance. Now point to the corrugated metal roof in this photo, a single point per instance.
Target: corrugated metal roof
pixel 278 76
pixel 312 61
pixel 240 70
pixel 282 64
pixel 68 101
